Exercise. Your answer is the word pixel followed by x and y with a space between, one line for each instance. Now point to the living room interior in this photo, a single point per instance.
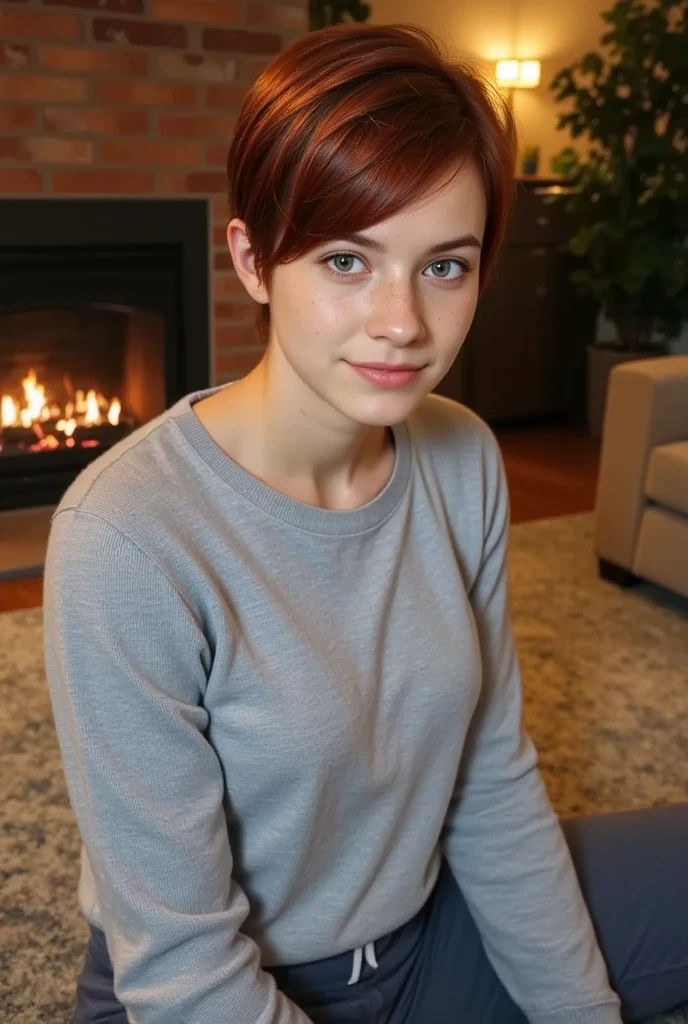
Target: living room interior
pixel 118 296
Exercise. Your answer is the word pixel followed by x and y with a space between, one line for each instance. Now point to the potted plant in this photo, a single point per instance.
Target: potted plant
pixel 334 12
pixel 628 193
pixel 530 160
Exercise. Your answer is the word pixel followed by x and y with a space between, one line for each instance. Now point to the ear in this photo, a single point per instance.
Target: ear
pixel 244 260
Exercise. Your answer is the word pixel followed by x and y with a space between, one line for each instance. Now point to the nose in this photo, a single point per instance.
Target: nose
pixel 395 314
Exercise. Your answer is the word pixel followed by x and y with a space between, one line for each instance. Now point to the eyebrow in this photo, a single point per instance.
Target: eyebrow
pixel 461 242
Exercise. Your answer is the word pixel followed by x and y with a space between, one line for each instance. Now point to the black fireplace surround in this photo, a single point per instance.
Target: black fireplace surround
pixel 145 259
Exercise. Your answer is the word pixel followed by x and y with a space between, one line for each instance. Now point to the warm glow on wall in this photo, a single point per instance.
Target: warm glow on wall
pixel 518 74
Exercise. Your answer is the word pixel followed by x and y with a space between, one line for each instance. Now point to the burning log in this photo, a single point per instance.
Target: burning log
pixel 18 435
pixel 103 433
pixel 88 420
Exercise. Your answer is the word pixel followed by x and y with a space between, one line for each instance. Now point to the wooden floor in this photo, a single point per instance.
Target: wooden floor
pixel 551 472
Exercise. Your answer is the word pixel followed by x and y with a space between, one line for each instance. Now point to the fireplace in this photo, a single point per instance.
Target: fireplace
pixel 104 323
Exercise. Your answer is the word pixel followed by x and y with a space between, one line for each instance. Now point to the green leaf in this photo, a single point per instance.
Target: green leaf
pixel 628 197
pixel 591 63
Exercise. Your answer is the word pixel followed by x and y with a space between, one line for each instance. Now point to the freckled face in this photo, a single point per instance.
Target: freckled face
pixel 407 300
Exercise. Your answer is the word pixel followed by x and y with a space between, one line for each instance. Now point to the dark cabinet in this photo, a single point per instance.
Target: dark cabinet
pixel 524 356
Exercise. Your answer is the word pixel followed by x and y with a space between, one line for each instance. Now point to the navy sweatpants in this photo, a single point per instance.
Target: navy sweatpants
pixel 633 871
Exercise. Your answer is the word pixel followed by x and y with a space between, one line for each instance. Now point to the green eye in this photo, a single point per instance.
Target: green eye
pixel 340 265
pixel 339 270
pixel 446 263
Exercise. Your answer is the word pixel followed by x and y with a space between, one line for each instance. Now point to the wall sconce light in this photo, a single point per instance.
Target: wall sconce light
pixel 518 74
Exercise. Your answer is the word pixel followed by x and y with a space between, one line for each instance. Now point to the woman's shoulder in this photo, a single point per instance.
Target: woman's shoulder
pixel 140 484
pixel 444 427
pixel 120 477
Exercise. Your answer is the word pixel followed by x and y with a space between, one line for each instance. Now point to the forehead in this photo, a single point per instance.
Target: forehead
pixel 451 208
pixel 458 202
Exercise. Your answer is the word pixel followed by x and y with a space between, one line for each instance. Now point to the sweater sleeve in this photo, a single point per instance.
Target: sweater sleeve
pixel 502 838
pixel 126 663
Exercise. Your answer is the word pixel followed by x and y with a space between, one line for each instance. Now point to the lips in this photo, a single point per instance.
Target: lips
pixel 387 376
pixel 387 367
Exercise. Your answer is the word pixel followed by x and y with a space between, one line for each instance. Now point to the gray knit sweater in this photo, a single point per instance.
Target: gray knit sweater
pixel 275 719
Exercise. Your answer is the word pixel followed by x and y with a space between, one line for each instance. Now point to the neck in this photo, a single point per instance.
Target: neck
pixel 287 436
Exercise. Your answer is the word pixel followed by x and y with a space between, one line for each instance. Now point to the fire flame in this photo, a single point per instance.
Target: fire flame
pixel 87 410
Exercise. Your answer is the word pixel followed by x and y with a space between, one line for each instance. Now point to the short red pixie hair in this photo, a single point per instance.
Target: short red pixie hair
pixel 349 125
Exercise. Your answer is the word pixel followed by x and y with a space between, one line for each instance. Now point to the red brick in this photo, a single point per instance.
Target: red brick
pixel 61 151
pixel 138 33
pixel 102 180
pixel 30 87
pixel 17 180
pixel 238 312
pixel 39 24
pixel 220 234
pixel 238 337
pixel 251 68
pixel 194 181
pixel 219 208
pixel 224 310
pixel 171 183
pixel 195 67
pixel 237 41
pixel 212 12
pixel 216 154
pixel 14 56
pixel 227 286
pixel 68 58
pixel 225 97
pixel 207 181
pixel 99 122
pixel 243 337
pixel 151 151
pixel 123 6
pixel 281 16
pixel 198 126
pixel 223 260
pixel 239 363
pixel 13 147
pixel 147 94
pixel 17 117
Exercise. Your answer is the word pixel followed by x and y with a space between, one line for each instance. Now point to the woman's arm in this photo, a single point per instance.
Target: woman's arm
pixel 127 665
pixel 502 838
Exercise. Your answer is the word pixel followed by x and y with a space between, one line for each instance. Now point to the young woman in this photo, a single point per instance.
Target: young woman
pixel 277 640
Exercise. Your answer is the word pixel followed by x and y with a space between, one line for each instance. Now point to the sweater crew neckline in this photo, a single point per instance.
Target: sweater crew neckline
pixel 310 518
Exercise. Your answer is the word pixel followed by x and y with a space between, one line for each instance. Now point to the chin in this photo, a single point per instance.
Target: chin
pixel 386 410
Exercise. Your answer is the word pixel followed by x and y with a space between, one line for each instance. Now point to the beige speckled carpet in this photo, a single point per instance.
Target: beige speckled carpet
pixel 605 678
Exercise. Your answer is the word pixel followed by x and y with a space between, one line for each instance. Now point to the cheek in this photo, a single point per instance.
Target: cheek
pixel 331 312
pixel 299 310
pixel 470 303
pixel 313 324
pixel 453 319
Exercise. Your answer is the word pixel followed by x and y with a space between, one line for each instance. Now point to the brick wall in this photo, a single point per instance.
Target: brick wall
pixel 138 97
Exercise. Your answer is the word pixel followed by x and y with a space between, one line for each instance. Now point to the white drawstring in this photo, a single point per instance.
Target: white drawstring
pixel 369 950
pixel 358 963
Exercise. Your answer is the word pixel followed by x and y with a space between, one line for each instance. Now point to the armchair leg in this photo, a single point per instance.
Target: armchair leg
pixel 616 574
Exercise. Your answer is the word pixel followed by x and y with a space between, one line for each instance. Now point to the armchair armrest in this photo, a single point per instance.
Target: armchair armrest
pixel 647 405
